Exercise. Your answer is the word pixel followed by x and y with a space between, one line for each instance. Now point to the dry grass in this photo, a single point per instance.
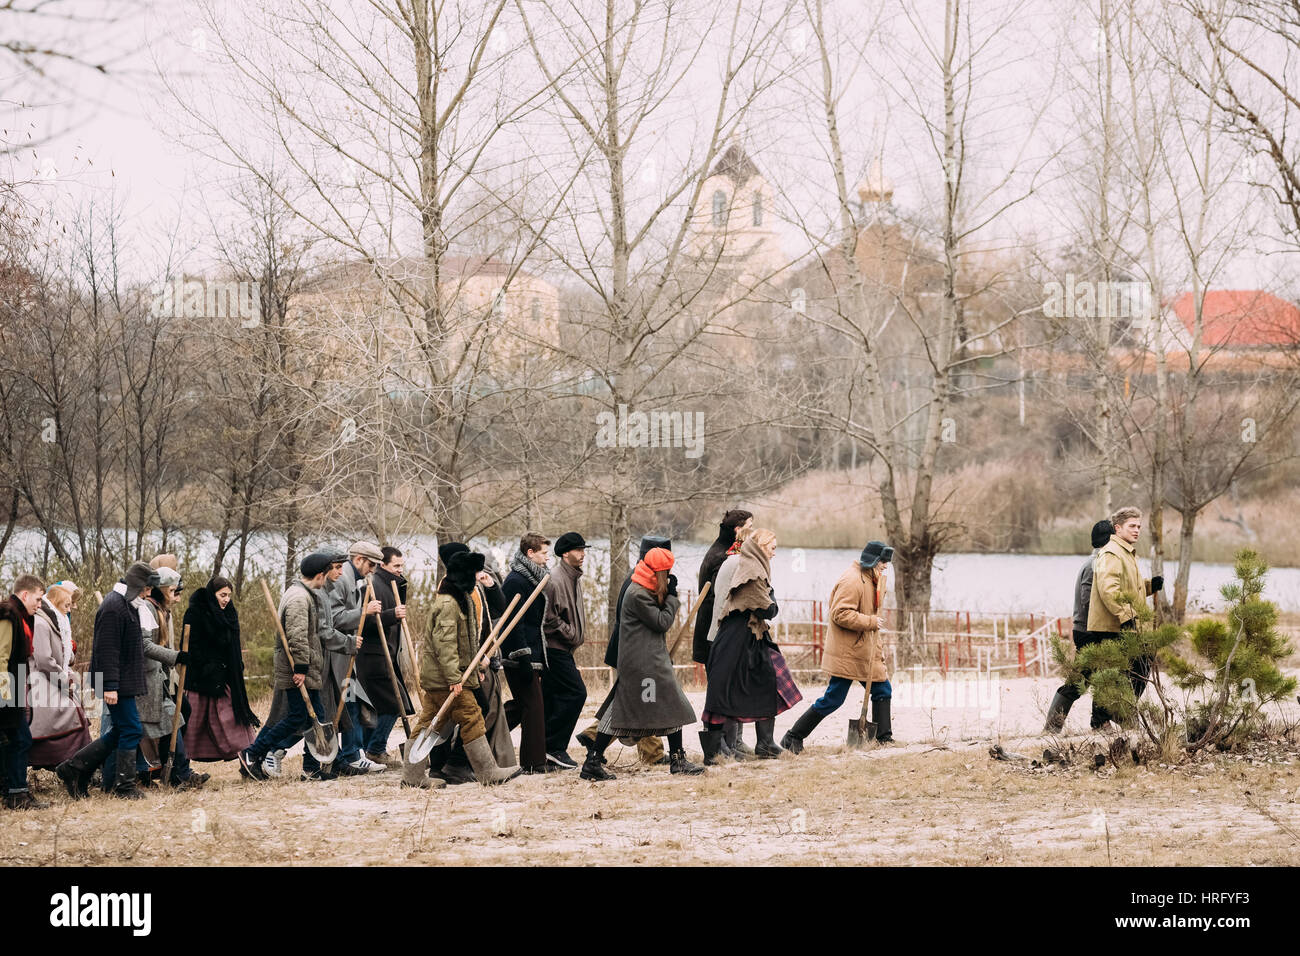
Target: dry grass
pixel 917 804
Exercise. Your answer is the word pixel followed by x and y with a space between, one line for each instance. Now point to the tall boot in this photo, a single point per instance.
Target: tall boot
pixel 485 766
pixel 1057 712
pixel 730 732
pixel 415 774
pixel 126 776
pixel 794 737
pixel 766 747
pixel 742 750
pixel 76 771
pixel 711 743
pixel 880 711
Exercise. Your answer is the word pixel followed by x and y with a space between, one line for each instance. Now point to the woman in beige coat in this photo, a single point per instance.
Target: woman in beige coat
pixel 58 725
pixel 854 651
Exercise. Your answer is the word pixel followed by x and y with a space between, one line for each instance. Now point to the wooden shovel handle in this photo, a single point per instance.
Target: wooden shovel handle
pixel 681 632
pixel 288 653
pixel 180 688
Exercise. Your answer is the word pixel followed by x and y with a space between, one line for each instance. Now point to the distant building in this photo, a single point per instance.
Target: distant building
pixel 1234 320
pixel 734 223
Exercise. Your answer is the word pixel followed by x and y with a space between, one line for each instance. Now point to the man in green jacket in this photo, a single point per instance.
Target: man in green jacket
pixel 449 648
pixel 1115 574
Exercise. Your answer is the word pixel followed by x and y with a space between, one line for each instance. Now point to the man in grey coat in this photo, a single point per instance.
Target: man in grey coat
pixel 344 596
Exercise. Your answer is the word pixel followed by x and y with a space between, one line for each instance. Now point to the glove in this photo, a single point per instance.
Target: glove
pixel 182 658
pixel 672 584
pixel 1157 583
pixel 521 653
pixel 1129 625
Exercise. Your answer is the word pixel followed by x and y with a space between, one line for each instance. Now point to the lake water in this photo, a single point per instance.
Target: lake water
pixel 986 583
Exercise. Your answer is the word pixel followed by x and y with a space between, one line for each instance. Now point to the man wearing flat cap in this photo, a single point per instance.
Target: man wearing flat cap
pixel 563 627
pixel 344 596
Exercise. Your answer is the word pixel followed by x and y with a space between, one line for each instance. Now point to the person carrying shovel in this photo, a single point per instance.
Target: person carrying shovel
pixel 854 651
pixel 300 615
pixel 446 671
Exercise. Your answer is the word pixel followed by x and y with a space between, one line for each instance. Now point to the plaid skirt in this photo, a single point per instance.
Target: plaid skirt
pixel 787 692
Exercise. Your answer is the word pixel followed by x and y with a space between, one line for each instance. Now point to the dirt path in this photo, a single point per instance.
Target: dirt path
pixel 938 800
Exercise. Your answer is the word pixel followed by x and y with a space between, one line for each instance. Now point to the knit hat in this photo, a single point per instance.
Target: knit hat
pixel 445 551
pixel 1101 533
pixel 876 552
pixel 462 569
pixel 318 562
pixel 168 577
pixel 569 541
pixel 366 549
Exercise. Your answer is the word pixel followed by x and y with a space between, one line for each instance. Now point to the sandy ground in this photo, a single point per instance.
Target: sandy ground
pixel 934 798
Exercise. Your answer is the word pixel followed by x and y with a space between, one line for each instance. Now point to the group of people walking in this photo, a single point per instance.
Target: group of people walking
pixel 343 655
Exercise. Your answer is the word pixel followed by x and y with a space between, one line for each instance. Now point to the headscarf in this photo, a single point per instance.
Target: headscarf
pixel 646 572
pixel 751 582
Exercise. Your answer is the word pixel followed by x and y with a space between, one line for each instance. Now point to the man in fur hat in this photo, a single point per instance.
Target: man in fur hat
pixel 117 655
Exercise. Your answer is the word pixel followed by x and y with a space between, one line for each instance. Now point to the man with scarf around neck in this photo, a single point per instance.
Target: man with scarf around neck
pixel 452 642
pixel 524 651
pixel 735 527
pixel 854 651
pixel 564 627
pixel 748 676
pixel 344 596
pixel 17 631
pixel 646 700
pixel 372 664
pixel 117 655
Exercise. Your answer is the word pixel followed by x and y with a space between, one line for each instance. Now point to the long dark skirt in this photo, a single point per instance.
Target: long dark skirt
pixel 49 753
pixel 742 675
pixel 212 732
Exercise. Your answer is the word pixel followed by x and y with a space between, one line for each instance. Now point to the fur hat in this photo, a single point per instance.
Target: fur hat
pixel 876 552
pixel 462 569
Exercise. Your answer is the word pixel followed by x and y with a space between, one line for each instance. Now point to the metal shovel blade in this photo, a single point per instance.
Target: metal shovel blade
pixel 323 742
pixel 422 745
pixel 861 733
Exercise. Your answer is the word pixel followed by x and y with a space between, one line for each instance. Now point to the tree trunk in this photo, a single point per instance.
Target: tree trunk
pixel 1185 535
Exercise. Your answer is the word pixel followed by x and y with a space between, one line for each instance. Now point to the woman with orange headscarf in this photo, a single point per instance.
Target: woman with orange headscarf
pixel 748 677
pixel 646 700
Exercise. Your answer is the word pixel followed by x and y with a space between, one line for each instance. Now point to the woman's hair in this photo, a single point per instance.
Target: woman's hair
pixel 762 537
pixel 218 582
pixel 57 595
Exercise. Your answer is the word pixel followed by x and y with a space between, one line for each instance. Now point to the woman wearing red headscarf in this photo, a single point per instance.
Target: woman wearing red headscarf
pixel 646 700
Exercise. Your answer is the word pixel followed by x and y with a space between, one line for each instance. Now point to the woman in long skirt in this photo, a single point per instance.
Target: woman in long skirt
pixel 749 680
pixel 221 723
pixel 59 726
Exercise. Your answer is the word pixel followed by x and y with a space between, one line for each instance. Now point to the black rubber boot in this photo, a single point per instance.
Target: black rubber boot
pixel 1056 713
pixel 76 771
pixel 766 747
pixel 126 776
pixel 880 711
pixel 679 763
pixel 743 751
pixel 730 733
pixel 794 737
pixel 593 768
pixel 711 743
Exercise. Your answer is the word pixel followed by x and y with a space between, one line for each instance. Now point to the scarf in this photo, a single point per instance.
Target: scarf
pixel 645 574
pixel 751 588
pixel 527 567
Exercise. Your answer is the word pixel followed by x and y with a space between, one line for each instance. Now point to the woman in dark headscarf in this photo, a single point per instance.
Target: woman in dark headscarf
pixel 221 722
pixel 748 677
pixel 646 700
